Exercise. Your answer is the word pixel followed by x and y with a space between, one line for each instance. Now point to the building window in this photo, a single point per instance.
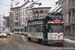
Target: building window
pixel 41 11
pixel 34 12
pixel 66 4
pixel 23 12
pixel 41 17
pixel 37 12
pixel 35 17
pixel 16 17
pixel 16 24
pixel 63 5
pixel 74 28
pixel 21 20
pixel 67 17
pixel 74 13
pixel 46 11
pixel 63 18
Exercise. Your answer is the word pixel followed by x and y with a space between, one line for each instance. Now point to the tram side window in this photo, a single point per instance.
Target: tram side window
pixel 38 28
pixel 28 28
pixel 35 28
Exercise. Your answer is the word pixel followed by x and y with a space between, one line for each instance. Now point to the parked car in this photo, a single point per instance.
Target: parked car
pixel 7 32
pixel 3 34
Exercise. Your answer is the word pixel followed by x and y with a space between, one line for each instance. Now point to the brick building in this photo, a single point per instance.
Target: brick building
pixel 11 20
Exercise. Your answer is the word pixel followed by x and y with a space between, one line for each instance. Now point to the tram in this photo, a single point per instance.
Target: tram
pixel 25 30
pixel 22 29
pixel 16 29
pixel 19 30
pixel 47 31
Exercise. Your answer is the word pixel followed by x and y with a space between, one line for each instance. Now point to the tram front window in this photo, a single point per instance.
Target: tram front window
pixel 55 28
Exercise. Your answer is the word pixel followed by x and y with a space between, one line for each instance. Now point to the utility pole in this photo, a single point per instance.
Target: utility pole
pixel 12 3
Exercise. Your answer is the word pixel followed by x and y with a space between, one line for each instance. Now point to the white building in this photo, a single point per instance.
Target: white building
pixel 2 24
pixel 24 14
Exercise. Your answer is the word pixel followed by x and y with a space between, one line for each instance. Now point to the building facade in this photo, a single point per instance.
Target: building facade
pixel 0 22
pixel 68 11
pixel 59 2
pixel 38 13
pixel 23 15
pixel 3 24
pixel 7 19
pixel 11 20
pixel 16 13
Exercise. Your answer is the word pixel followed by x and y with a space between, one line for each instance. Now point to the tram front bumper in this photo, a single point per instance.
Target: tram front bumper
pixel 54 41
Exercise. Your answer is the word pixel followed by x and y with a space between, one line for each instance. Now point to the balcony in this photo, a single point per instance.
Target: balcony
pixel 72 19
pixel 73 4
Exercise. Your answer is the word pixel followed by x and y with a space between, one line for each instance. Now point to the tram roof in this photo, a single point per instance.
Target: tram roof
pixel 55 17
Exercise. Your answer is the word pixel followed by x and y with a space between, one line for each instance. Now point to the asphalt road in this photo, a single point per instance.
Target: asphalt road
pixel 19 42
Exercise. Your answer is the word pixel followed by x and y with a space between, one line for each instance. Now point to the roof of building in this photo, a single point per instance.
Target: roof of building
pixel 43 5
pixel 3 20
pixel 18 4
pixel 27 5
pixel 56 9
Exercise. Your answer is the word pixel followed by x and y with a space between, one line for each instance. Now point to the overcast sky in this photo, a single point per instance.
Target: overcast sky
pixel 5 5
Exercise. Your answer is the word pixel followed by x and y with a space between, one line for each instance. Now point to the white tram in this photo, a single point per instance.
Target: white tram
pixel 19 30
pixel 47 31
pixel 24 29
pixel 16 29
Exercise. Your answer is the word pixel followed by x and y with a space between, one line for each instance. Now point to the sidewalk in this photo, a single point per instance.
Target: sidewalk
pixel 68 37
pixel 69 42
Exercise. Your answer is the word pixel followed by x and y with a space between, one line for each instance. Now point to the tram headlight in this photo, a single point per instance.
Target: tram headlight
pixel 55 34
pixel 61 34
pixel 54 37
pixel 61 37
